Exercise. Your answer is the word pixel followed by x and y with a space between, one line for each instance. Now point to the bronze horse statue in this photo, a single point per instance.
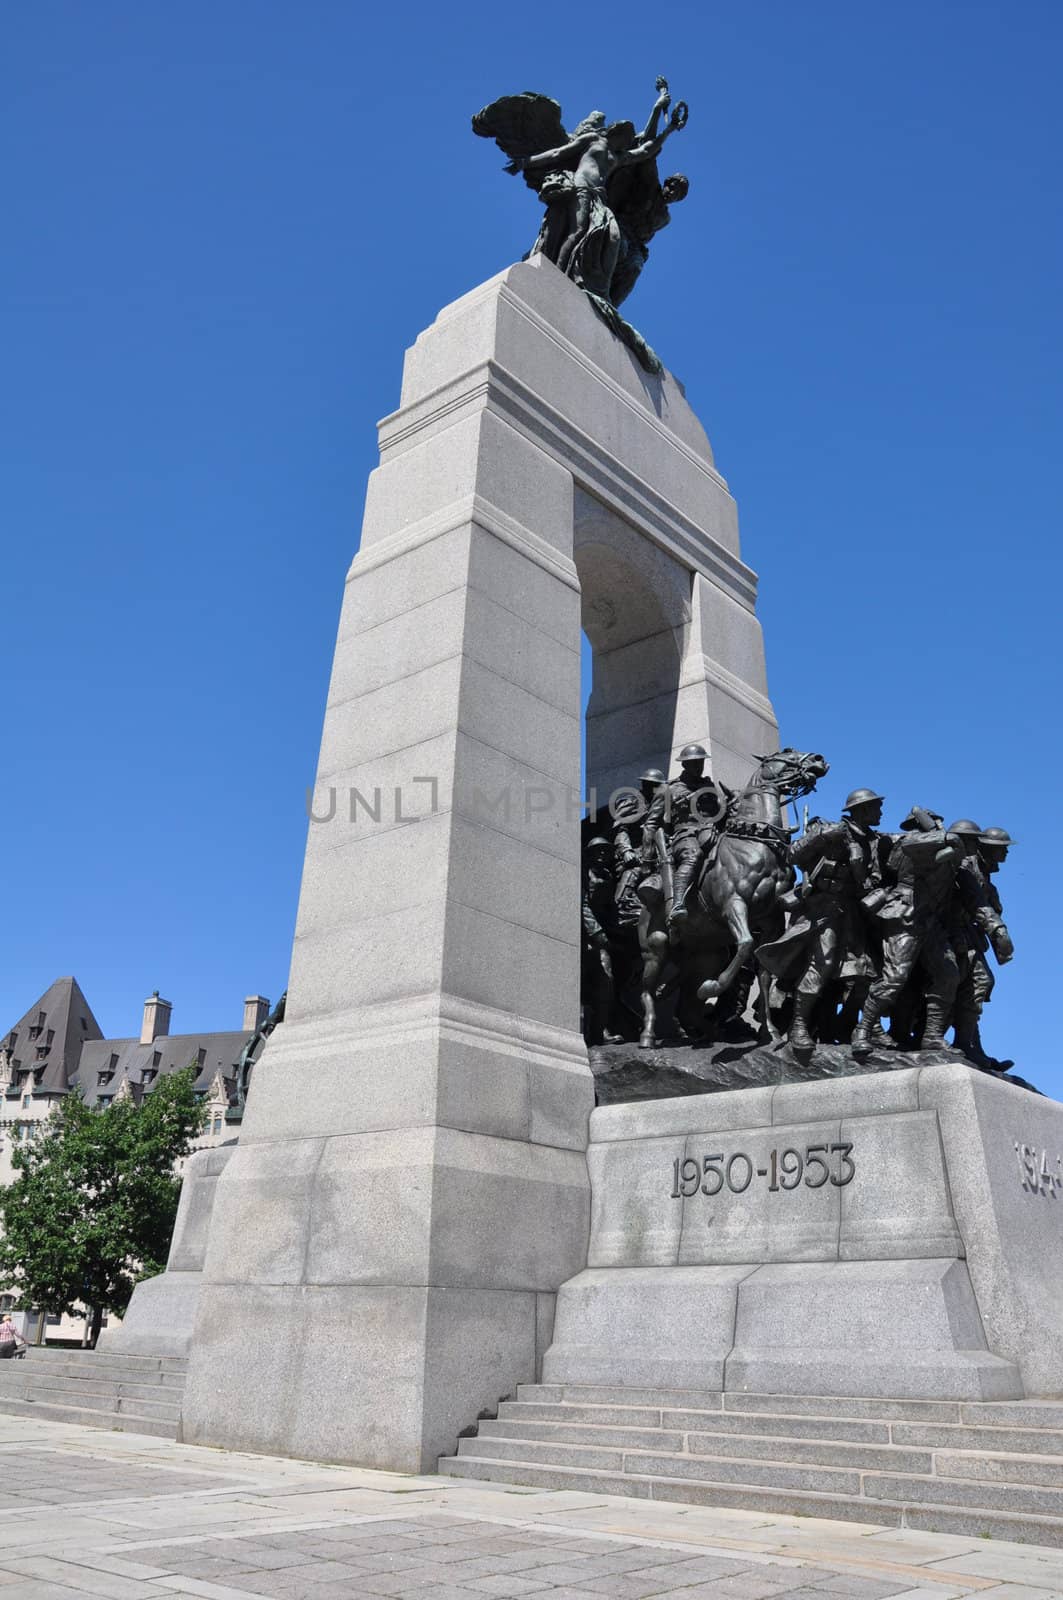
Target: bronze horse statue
pixel 735 901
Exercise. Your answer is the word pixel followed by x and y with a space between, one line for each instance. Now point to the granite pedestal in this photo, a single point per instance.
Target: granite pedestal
pixel 895 1235
pixel 161 1315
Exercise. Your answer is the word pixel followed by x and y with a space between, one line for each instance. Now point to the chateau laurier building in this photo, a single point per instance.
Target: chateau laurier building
pixel 58 1048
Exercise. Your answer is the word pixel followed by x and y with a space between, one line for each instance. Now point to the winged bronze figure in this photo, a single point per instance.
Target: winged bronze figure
pixel 601 188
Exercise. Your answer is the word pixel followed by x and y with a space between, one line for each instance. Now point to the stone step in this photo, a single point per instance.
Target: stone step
pixel 1013 1413
pixel 559 1411
pixel 168 1393
pixel 934 1517
pixel 106 1357
pixel 978 1494
pixel 803 1406
pixel 772 1425
pixel 1044 1470
pixel 601 1394
pixel 990 1441
pixel 581 1433
pixel 769 1474
pixel 852 1408
pixel 619 1406
pixel 820 1452
pixel 100 1361
pixel 722 1426
pixel 86 1417
pixel 83 1369
pixel 101 1400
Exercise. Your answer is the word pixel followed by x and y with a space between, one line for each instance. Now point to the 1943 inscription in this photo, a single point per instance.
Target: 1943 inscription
pixel 786 1169
pixel 1035 1172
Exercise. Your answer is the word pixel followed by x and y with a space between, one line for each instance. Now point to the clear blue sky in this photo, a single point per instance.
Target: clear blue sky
pixel 225 221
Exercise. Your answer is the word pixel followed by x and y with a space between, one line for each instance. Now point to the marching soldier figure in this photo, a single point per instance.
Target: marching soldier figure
pixel 692 804
pixel 969 939
pixel 601 932
pixel 918 928
pixel 828 939
pixel 629 836
pixel 983 863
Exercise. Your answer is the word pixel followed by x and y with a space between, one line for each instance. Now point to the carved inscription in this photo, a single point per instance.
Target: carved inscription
pixel 816 1165
pixel 1036 1170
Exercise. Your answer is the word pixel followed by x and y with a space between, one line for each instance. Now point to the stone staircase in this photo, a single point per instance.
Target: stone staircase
pixel 992 1469
pixel 131 1394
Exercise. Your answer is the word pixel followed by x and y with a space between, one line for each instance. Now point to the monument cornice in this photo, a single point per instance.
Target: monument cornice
pixel 595 468
pixel 469 509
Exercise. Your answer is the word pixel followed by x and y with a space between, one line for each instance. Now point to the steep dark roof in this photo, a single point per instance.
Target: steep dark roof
pixel 46 1043
pixel 107 1063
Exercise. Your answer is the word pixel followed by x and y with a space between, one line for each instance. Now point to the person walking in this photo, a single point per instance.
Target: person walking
pixel 10 1338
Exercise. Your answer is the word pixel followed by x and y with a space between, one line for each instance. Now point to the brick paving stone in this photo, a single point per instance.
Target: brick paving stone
pixel 631 1585
pixel 820 1592
pixel 509 1585
pixel 271 1560
pixel 854 1588
pixel 558 1575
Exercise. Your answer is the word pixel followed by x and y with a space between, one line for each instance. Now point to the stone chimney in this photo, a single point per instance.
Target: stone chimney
pixel 156 1024
pixel 256 1010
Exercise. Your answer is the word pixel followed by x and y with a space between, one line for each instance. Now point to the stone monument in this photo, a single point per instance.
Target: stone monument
pixel 857 1213
pixel 386 1249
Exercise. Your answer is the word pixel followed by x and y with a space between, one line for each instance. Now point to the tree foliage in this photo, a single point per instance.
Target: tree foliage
pixel 93 1203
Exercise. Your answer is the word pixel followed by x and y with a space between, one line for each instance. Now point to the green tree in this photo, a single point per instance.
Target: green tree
pixel 93 1203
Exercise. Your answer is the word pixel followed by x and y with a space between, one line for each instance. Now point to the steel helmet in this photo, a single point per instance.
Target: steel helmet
pixel 999 836
pixel 652 775
pixel 861 797
pixel 598 843
pixel 965 825
pixel 693 752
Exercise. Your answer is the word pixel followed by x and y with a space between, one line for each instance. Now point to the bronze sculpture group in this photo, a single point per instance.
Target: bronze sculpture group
pixel 603 196
pixel 696 893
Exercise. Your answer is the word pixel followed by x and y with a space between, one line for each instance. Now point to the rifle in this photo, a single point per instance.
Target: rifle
pixel 664 864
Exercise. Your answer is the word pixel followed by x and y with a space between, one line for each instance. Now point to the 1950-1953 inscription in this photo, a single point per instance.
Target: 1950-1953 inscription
pixel 817 1165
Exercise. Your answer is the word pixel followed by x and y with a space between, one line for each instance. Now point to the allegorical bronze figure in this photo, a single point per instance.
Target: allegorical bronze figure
pixel 603 195
pixel 897 926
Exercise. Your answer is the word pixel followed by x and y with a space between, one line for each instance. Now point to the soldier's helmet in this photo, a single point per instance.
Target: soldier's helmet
pixel 998 836
pixel 911 821
pixel 652 775
pixel 965 825
pixel 598 843
pixel 861 797
pixel 692 752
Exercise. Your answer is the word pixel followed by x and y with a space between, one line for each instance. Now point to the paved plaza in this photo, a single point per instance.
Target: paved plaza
pixel 128 1517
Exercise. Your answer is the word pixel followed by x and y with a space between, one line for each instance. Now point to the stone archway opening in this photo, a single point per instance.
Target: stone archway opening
pixel 635 613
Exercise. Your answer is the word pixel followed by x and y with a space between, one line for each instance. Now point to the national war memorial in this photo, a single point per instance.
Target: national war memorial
pixel 653 1114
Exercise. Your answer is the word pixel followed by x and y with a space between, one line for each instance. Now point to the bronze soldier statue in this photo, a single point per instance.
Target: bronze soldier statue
pixel 687 809
pixel 969 938
pixel 827 940
pixel 983 861
pixel 601 933
pixel 915 918
pixel 629 836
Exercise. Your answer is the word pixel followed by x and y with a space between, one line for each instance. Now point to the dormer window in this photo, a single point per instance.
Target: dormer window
pixel 35 1033
pixel 42 1051
pixel 156 1059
